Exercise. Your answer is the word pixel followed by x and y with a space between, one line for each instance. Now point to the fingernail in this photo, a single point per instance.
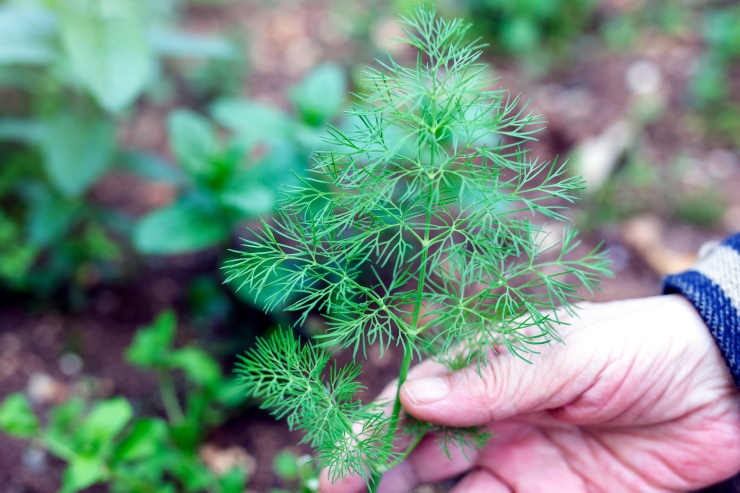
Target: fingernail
pixel 426 390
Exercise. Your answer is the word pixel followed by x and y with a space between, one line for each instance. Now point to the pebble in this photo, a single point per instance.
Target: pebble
pixel 643 77
pixel 42 388
pixel 70 364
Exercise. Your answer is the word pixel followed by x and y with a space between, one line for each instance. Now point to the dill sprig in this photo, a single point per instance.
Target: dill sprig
pixel 419 227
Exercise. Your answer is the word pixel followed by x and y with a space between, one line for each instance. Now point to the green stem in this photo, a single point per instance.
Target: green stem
pixel 406 452
pixel 169 398
pixel 407 355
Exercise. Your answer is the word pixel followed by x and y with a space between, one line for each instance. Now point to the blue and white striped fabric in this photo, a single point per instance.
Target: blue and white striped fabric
pixel 713 286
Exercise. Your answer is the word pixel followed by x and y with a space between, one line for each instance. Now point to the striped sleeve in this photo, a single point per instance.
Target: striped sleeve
pixel 713 286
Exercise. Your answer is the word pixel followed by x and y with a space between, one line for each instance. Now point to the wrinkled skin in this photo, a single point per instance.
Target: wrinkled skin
pixel 639 399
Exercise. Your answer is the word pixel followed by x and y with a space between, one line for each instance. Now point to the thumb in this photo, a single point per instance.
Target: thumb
pixel 507 386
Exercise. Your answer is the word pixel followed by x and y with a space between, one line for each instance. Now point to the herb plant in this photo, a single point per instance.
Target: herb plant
pixel 418 228
pixel 104 442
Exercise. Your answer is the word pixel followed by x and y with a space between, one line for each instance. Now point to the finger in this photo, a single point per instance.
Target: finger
pixel 507 385
pixel 427 463
pixel 481 481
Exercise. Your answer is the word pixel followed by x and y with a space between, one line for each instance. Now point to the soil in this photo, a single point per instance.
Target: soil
pixel 579 101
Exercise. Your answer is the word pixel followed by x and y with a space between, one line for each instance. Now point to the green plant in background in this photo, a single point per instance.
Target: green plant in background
pixel 105 443
pixel 427 242
pixel 624 29
pixel 638 186
pixel 68 71
pixel 228 182
pixel 298 471
pixel 712 80
pixel 46 237
pixel 533 31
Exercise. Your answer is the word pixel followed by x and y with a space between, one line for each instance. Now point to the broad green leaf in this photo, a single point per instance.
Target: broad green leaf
pixel 49 216
pixel 181 44
pixel 250 121
pixel 151 344
pixel 82 472
pixel 108 48
pixel 151 166
pixel 190 471
pixel 179 228
pixel 64 421
pixel 234 481
pixel 77 151
pixel 319 96
pixel 144 440
pixel 254 191
pixel 17 417
pixel 106 420
pixel 200 367
pixel 150 470
pixel 249 197
pixel 26 33
pixel 193 141
pixel 28 131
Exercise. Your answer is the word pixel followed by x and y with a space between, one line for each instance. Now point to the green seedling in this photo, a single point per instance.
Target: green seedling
pixel 104 443
pixel 236 179
pixel 69 71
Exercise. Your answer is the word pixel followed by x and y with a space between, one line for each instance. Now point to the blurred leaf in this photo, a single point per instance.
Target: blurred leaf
pixel 190 471
pixel 200 367
pixel 179 228
pixel 76 151
pixel 188 45
pixel 193 141
pixel 249 198
pixel 26 32
pixel 320 95
pixel 286 466
pixel 64 421
pixel 520 35
pixel 151 166
pixel 17 417
pixel 152 343
pixel 234 481
pixel 254 191
pixel 146 437
pixel 104 422
pixel 49 216
pixel 207 301
pixel 98 245
pixel 250 121
pixel 702 208
pixel 710 82
pixel 230 393
pixel 28 131
pixel 82 472
pixel 108 47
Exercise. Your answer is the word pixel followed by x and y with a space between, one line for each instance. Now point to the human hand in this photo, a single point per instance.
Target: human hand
pixel 638 399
